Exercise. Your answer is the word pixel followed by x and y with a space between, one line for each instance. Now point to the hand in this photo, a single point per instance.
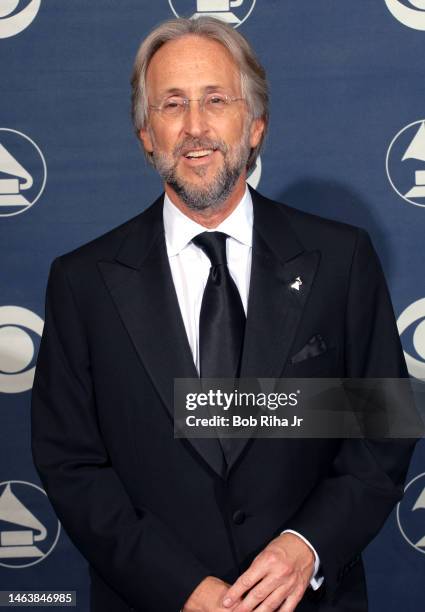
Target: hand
pixel 208 596
pixel 277 578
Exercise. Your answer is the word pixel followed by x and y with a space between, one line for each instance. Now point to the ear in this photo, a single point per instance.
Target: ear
pixel 256 131
pixel 145 137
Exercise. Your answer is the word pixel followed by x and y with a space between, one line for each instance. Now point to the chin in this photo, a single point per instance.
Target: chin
pixel 199 176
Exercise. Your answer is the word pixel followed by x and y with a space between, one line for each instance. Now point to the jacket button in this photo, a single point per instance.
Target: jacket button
pixel 239 517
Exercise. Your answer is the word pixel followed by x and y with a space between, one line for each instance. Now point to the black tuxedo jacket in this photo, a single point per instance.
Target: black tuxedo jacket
pixel 151 513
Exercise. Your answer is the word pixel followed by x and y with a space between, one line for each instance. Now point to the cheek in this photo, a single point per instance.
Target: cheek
pixel 235 130
pixel 164 138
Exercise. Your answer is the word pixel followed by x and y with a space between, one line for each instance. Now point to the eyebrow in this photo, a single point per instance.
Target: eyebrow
pixel 176 91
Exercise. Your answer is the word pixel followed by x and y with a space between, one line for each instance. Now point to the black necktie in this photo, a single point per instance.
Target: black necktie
pixel 222 319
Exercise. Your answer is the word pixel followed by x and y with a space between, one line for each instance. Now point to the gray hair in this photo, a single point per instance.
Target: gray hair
pixel 253 77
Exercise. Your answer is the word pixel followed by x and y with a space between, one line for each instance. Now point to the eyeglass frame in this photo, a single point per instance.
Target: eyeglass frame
pixel 187 100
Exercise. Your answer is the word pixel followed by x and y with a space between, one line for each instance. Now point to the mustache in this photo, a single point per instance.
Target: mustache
pixel 188 144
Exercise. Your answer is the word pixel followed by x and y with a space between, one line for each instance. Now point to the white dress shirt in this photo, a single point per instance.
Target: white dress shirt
pixel 190 268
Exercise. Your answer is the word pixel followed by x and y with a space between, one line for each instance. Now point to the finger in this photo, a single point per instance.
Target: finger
pixel 293 599
pixel 275 598
pixel 244 583
pixel 261 591
pixel 260 567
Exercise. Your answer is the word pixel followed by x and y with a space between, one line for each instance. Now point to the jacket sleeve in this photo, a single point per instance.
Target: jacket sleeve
pixel 347 509
pixel 134 553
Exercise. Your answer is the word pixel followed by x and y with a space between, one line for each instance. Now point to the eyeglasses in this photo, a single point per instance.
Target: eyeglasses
pixel 213 104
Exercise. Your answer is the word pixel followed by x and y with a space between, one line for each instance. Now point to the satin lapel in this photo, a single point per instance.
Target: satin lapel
pixel 141 285
pixel 274 307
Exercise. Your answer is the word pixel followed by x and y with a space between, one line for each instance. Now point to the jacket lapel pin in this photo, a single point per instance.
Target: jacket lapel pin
pixel 296 284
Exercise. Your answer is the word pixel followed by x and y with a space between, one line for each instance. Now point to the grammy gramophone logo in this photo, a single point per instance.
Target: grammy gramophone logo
pixel 405 163
pixel 233 12
pixel 23 172
pixel 29 530
pixel 411 513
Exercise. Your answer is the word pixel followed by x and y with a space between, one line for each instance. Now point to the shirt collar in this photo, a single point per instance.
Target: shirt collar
pixel 180 229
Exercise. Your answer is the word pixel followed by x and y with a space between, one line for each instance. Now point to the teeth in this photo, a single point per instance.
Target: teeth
pixel 199 153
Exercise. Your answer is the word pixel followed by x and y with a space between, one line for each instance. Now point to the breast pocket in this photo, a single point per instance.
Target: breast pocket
pixel 319 366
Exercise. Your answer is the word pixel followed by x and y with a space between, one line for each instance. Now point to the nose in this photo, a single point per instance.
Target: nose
pixel 195 122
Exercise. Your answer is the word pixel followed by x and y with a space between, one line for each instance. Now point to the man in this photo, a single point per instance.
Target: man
pixel 169 524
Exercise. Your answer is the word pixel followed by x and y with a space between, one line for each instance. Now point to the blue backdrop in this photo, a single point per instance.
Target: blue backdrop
pixel 347 140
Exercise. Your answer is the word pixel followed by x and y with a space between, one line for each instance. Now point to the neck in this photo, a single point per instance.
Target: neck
pixel 211 217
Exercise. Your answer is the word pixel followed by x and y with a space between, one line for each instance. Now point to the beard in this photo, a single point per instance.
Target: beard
pixel 211 194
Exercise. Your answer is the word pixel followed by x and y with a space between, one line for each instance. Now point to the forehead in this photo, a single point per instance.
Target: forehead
pixel 192 62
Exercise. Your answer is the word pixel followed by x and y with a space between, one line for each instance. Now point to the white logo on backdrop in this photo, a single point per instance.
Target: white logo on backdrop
pixel 412 314
pixel 411 14
pixel 233 12
pixel 30 529
pixel 410 519
pixel 23 172
pixel 405 163
pixel 12 23
pixel 255 175
pixel 17 348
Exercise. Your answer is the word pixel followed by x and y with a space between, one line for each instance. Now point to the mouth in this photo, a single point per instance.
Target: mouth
pixel 199 156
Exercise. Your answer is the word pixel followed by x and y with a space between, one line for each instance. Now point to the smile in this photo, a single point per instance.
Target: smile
pixel 196 154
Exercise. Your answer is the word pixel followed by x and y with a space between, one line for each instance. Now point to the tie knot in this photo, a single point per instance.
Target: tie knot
pixel 214 246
